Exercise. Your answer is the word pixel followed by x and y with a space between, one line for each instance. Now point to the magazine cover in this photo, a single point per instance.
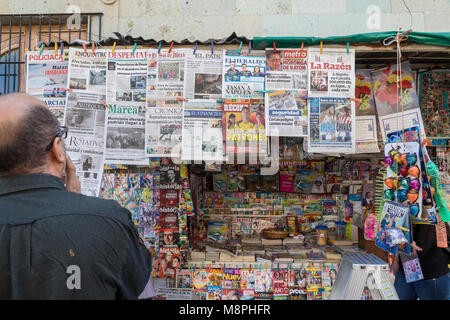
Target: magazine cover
pixel 169 262
pixel 213 293
pixel 331 125
pixel 263 281
pixel 184 279
pixel 199 279
pixel 313 278
pixel 280 284
pixel 231 279
pixel 169 237
pixel 247 284
pixel 243 125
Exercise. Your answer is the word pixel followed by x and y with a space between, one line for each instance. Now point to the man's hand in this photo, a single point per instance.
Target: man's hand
pixel 71 180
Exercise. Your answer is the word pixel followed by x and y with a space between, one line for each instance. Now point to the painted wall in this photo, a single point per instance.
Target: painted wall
pixel 206 19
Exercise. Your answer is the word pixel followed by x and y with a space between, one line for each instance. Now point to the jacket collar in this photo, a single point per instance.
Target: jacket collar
pixel 29 182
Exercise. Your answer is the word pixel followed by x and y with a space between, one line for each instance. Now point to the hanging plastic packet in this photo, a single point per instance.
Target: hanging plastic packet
pixel 370 226
pixel 411 267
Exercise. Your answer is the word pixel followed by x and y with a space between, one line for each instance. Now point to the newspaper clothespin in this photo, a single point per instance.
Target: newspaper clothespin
pixel 306 97
pixel 56 48
pixel 260 266
pixel 182 99
pixel 84 48
pixel 26 50
pixel 134 48
pixel 171 46
pixel 42 49
pixel 114 47
pixel 301 47
pixel 278 267
pixel 104 104
pixel 348 47
pixel 195 48
pixel 240 47
pixel 249 46
pixel 220 101
pixel 159 47
pixel 321 47
pixel 93 47
pixel 274 48
pixel 62 48
pixel 355 99
pixel 276 93
pixel 332 266
pixel 201 266
pixel 212 46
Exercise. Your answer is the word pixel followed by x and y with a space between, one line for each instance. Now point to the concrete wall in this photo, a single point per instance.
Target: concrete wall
pixel 205 19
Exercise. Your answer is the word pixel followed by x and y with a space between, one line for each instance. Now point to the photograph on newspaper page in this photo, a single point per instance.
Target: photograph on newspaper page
pixel 287 113
pixel 87 70
pixel 165 73
pixel 243 126
pixel 164 119
pixel 396 110
pixel 331 125
pixel 202 132
pixel 366 122
pixel 126 83
pixel 85 142
pixel 243 76
pixel 47 79
pixel 203 80
pixel 286 69
pixel 331 73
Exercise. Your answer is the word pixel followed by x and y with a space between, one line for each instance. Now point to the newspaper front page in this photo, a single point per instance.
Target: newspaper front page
pixel 87 71
pixel 286 69
pixel 163 127
pixel 203 80
pixel 202 132
pixel 126 83
pixel 331 125
pixel 85 143
pixel 287 113
pixel 332 73
pixel 243 76
pixel 166 73
pixel 47 79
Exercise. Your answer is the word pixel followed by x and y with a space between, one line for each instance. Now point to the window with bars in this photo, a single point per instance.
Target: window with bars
pixel 21 32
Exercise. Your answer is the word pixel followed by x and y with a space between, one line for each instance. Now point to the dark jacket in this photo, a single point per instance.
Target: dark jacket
pixel 44 229
pixel 433 260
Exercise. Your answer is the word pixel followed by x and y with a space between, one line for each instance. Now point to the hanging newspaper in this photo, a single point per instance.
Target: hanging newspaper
pixel 47 79
pixel 366 122
pixel 331 125
pixel 243 126
pixel 243 76
pixel 202 132
pixel 87 71
pixel 203 78
pixel 286 69
pixel 332 73
pixel 85 143
pixel 163 128
pixel 287 113
pixel 388 100
pixel 126 83
pixel 166 73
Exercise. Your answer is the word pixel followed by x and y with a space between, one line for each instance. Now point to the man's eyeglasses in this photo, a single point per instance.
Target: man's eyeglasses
pixel 62 133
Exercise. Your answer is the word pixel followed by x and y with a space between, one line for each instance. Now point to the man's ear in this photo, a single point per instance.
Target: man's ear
pixel 58 150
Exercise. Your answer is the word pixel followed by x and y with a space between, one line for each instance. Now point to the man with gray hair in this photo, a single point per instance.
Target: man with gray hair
pixel 54 242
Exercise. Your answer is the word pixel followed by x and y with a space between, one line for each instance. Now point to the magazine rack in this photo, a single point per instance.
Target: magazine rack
pixel 358 271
